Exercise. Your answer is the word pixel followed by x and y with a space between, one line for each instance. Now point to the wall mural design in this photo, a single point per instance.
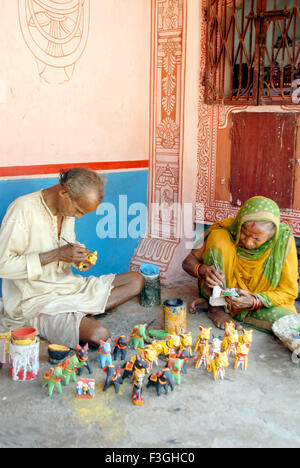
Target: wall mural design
pixel 56 32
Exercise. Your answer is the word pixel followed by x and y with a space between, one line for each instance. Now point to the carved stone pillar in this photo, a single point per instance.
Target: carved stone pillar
pixel 168 213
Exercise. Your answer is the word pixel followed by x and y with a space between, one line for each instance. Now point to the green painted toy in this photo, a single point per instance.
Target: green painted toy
pixel 138 335
pixel 69 371
pixel 52 378
pixel 176 365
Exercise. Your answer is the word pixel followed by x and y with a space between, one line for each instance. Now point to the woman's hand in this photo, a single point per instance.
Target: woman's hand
pixel 211 275
pixel 244 301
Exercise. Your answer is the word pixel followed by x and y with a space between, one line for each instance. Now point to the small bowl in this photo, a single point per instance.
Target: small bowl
pixel 24 334
pixel 57 352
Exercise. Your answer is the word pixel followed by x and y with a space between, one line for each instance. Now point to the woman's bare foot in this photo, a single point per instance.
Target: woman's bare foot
pixel 198 305
pixel 219 317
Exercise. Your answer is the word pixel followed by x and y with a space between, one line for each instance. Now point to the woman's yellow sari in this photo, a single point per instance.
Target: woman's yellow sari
pixel 269 272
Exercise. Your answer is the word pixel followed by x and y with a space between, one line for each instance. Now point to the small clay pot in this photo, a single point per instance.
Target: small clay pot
pixel 57 353
pixel 24 334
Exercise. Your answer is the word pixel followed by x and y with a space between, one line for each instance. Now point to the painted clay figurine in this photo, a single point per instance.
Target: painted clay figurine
pixel 161 380
pixel 90 258
pixel 104 353
pixel 218 365
pixel 138 335
pixel 215 346
pixel 246 337
pixel 113 377
pixel 203 355
pixel 230 342
pixel 85 388
pixel 203 336
pixel 53 378
pixel 82 356
pixel 69 371
pixel 121 344
pixel 169 347
pixel 136 362
pixel 150 354
pixel 176 365
pixel 186 342
pixel 241 358
pixel 137 390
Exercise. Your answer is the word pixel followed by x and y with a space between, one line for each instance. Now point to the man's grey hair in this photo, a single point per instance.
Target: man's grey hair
pixel 80 179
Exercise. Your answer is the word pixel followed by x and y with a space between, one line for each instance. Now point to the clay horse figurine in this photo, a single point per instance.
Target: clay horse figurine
pixel 113 377
pixel 121 347
pixel 53 378
pixel 104 353
pixel 82 356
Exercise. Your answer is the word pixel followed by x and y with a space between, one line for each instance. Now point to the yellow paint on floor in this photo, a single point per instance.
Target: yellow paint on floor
pixel 102 410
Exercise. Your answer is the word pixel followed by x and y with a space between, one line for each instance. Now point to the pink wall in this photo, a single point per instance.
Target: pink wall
pixel 101 112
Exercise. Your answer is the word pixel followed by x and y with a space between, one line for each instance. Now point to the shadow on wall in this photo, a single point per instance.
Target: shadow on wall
pixel 114 230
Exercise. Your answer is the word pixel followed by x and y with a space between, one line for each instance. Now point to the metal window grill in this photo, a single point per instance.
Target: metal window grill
pixel 253 51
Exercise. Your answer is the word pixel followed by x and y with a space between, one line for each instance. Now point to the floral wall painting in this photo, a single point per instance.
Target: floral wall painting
pixel 56 32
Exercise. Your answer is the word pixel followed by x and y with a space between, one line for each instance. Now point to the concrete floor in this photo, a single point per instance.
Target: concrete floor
pixel 256 408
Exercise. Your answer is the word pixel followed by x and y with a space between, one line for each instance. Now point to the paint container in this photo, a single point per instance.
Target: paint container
pixel 24 361
pixel 150 295
pixel 5 335
pixel 174 316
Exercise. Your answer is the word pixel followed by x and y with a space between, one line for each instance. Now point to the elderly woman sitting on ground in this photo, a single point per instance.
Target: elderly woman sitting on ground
pixel 254 253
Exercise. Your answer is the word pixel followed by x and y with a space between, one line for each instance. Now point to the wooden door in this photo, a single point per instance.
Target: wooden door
pixel 263 157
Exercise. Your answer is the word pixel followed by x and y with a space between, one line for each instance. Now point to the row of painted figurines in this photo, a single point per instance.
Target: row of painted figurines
pixel 212 353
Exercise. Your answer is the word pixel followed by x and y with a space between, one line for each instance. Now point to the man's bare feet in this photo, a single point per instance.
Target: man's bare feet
pixel 198 305
pixel 219 317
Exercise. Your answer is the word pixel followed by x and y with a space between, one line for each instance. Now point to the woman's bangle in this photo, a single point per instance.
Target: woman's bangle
pixel 254 306
pixel 196 270
pixel 257 304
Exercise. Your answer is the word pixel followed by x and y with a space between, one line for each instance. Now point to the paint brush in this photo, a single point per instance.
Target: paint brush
pixel 216 266
pixel 67 241
pixel 214 260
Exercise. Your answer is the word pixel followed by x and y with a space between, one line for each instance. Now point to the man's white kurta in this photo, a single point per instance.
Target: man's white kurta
pixel 29 289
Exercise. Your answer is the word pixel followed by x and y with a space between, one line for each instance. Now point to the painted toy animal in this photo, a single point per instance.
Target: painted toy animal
pixel 186 341
pixel 150 354
pixel 75 361
pixel 113 377
pixel 90 258
pixel 218 365
pixel 241 358
pixel 203 355
pixel 230 342
pixel 184 354
pixel 168 347
pixel 69 371
pixel 137 390
pixel 161 380
pixel 83 357
pixel 53 378
pixel 138 335
pixel 215 346
pixel 120 348
pixel 136 362
pixel 203 336
pixel 175 366
pixel 246 337
pixel 104 353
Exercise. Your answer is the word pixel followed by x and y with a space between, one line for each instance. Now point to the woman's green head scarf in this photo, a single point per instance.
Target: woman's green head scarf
pixel 263 209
